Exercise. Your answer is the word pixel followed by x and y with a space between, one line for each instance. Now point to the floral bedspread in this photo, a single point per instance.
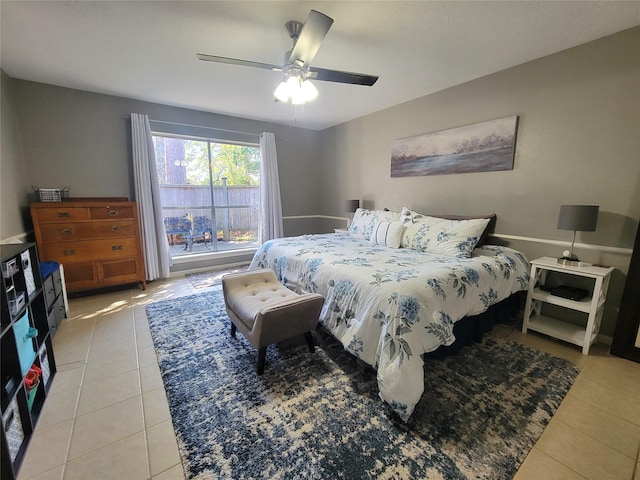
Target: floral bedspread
pixel 388 306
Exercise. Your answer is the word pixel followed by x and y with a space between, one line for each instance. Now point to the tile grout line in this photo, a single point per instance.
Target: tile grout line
pixel 630 399
pixel 607 412
pixel 75 412
pixel 592 438
pixel 144 418
pixel 82 383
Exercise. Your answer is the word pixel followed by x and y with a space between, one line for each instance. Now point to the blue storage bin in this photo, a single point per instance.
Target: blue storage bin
pixel 47 268
pixel 24 334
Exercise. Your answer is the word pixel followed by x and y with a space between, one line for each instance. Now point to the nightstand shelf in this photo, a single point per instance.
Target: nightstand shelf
pixel 583 305
pixel 591 306
pixel 559 329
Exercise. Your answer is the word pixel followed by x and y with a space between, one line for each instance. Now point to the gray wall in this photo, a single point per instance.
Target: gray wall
pixel 577 142
pixel 13 169
pixel 82 140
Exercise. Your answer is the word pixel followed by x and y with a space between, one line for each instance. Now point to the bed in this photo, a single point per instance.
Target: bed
pixel 393 293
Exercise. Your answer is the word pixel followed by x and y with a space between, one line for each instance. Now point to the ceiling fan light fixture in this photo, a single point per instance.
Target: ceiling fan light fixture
pixel 293 83
pixel 307 38
pixel 282 92
pixel 297 89
pixel 309 90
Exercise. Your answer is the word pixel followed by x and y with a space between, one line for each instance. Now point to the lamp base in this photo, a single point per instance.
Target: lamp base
pixel 569 261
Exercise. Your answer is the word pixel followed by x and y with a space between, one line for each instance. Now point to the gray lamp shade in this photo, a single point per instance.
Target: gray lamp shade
pixel 580 218
pixel 352 205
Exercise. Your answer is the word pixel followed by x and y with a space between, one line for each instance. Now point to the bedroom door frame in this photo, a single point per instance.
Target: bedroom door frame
pixel 626 338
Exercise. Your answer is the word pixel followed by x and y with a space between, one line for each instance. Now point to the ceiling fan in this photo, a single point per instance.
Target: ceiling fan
pixel 297 68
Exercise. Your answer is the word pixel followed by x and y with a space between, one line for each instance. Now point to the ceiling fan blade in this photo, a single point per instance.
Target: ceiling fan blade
pixel 235 61
pixel 342 77
pixel 313 32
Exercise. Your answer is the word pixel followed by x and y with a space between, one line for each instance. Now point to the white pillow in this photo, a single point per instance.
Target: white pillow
pixel 454 238
pixel 364 221
pixel 409 217
pixel 388 234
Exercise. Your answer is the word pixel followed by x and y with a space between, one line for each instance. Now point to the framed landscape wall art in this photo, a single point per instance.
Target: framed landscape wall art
pixel 482 147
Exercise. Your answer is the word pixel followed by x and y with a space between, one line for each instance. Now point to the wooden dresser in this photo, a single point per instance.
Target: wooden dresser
pixel 96 239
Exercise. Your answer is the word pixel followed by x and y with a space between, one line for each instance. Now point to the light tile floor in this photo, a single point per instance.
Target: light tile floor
pixel 107 415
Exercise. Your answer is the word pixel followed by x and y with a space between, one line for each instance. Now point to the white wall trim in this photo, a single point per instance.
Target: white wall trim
pixel 585 246
pixel 19 238
pixel 299 217
pixel 503 236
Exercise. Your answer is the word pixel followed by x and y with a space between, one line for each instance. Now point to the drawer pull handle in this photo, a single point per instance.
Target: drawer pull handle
pixel 115 228
pixel 64 214
pixel 116 247
pixel 66 231
pixel 69 252
pixel 113 213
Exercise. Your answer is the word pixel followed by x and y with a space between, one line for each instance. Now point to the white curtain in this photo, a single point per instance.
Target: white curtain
pixel 157 258
pixel 270 202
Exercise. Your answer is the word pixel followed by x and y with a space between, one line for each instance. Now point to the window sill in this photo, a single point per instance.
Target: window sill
pixel 198 257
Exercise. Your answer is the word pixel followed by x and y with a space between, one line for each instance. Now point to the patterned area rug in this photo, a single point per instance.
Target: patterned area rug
pixel 318 416
pixel 211 277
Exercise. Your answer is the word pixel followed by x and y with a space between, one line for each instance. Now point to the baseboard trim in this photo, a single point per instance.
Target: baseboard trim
pixel 604 339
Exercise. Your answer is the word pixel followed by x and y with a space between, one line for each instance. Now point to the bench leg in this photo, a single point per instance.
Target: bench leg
pixel 262 353
pixel 309 340
pixel 233 329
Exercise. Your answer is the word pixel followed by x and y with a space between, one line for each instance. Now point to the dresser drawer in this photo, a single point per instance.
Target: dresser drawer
pixel 120 270
pixel 107 212
pixel 62 214
pixel 60 232
pixel 80 275
pixel 88 275
pixel 69 252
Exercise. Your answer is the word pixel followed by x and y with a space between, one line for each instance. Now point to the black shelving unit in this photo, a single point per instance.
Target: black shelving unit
pixel 25 344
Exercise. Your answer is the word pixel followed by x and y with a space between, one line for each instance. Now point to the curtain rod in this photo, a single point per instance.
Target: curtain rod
pixel 208 128
pixel 200 126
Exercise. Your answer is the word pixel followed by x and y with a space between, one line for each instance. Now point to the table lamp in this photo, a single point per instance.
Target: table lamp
pixel 351 206
pixel 583 218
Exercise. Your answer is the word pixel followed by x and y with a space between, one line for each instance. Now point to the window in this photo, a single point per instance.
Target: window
pixel 210 193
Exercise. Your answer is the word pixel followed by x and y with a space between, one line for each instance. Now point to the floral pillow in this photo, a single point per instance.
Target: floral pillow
pixel 408 217
pixel 364 220
pixel 454 238
pixel 388 234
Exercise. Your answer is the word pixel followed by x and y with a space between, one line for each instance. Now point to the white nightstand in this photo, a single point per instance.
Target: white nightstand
pixel 592 306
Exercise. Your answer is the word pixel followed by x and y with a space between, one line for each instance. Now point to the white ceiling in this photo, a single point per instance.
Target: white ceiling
pixel 147 50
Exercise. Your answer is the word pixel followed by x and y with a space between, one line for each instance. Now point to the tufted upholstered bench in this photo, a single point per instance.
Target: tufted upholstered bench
pixel 267 312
